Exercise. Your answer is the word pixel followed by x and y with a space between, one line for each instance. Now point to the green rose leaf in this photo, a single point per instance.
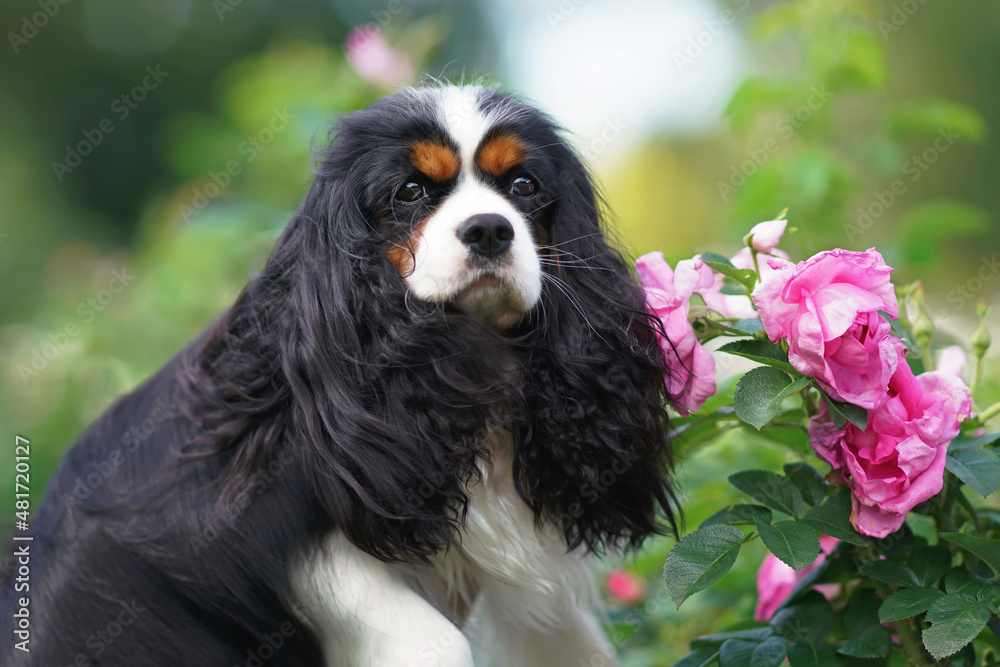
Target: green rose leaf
pixel 808 480
pixel 958 580
pixel 761 351
pixel 746 277
pixel 963 441
pixel 991 595
pixel 769 653
pixel 793 542
pixel 873 642
pixel 769 489
pixel 737 653
pixel 699 657
pixel 861 612
pixel 738 515
pixel 700 559
pixel 929 564
pixel 809 620
pixel 907 603
pixel 759 394
pixel 833 518
pixel 891 572
pixel 955 621
pixel 717 639
pixel 986 549
pixel 841 413
pixel 812 655
pixel 978 467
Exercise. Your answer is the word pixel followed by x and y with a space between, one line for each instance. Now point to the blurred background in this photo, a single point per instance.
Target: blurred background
pixel 150 153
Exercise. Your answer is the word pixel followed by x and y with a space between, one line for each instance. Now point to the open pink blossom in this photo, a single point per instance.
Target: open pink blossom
pixel 828 309
pixel 690 376
pixel 775 580
pixel 625 587
pixel 898 461
pixel 374 60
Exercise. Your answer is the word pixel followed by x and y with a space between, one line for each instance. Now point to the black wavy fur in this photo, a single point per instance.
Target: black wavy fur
pixel 327 398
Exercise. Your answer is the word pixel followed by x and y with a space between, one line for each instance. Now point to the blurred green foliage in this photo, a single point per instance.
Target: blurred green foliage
pixel 833 93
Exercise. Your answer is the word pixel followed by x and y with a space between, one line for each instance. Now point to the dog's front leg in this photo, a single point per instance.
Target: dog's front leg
pixel 366 615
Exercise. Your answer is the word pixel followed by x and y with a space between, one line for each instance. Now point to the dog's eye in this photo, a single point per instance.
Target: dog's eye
pixel 522 186
pixel 411 192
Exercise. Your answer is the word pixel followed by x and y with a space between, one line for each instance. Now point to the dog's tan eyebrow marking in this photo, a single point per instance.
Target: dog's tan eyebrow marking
pixel 434 159
pixel 499 154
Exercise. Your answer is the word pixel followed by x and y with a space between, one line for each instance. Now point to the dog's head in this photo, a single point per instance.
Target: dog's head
pixel 449 228
pixel 460 186
pixel 466 220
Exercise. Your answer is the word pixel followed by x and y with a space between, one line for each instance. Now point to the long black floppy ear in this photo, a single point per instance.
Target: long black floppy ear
pixel 594 457
pixel 383 400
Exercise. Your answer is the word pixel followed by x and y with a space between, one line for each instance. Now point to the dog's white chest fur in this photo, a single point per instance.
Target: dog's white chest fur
pixel 508 582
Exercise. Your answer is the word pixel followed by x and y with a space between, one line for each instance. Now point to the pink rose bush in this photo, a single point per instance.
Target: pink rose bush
pixel 691 376
pixel 833 313
pixel 827 308
pixel 830 350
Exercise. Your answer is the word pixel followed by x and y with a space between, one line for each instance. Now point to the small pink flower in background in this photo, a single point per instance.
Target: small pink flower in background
pixel 374 60
pixel 690 378
pixel 625 588
pixel 898 461
pixel 827 307
pixel 775 580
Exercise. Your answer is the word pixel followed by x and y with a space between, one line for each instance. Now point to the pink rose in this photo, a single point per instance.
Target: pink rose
pixel 374 60
pixel 775 580
pixel 827 307
pixel 898 461
pixel 690 375
pixel 625 588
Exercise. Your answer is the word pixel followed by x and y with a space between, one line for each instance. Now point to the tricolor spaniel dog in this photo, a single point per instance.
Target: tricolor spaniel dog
pixel 403 445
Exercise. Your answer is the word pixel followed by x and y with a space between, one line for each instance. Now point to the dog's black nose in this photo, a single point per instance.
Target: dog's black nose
pixel 486 234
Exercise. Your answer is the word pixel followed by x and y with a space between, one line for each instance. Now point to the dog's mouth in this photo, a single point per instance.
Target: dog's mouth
pixel 496 299
pixel 485 282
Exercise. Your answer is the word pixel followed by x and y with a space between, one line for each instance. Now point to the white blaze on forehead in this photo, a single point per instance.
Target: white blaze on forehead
pixel 459 111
